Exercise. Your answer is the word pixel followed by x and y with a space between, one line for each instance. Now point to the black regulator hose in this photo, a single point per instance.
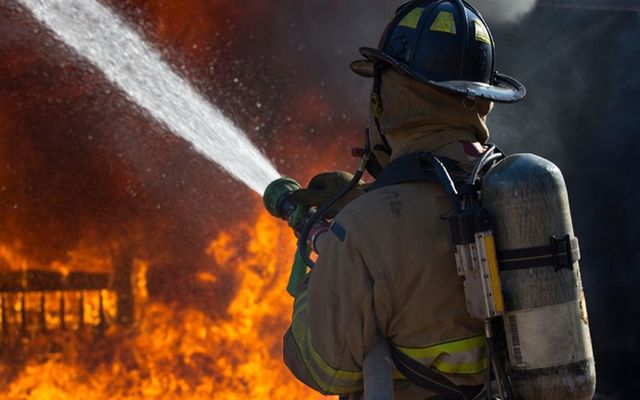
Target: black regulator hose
pixel 490 157
pixel 322 211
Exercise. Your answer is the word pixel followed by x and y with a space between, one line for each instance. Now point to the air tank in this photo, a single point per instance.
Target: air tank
pixel 545 320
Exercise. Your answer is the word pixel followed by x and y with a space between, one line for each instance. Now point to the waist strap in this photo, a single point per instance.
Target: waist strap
pixel 428 379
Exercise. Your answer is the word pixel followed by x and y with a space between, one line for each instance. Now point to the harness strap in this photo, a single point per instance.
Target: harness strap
pixel 417 167
pixel 423 376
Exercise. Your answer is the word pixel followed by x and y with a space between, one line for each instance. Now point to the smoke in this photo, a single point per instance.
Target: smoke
pixel 119 179
pixel 504 11
pixel 82 167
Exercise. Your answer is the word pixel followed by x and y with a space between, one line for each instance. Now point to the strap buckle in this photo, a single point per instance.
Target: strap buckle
pixel 561 247
pixel 376 105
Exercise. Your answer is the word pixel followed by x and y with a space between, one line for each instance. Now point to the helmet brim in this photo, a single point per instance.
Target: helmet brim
pixel 504 89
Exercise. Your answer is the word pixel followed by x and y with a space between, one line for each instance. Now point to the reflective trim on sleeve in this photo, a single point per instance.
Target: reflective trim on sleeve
pixel 466 356
pixel 299 303
pixel 331 380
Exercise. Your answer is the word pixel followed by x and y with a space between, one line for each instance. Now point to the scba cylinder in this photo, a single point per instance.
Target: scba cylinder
pixel 546 324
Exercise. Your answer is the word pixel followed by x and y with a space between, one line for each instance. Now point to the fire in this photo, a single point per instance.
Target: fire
pixel 182 353
pixel 89 185
pixel 88 258
pixel 12 259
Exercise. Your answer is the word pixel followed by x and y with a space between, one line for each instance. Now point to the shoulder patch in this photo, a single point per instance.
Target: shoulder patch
pixel 338 230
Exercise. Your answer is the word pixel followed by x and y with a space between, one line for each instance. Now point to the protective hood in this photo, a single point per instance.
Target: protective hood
pixel 417 116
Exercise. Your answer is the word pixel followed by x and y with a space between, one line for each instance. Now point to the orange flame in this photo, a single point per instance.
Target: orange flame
pixel 81 216
pixel 183 353
pixel 88 258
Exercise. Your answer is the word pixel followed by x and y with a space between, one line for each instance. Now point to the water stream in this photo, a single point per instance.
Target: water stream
pixel 102 37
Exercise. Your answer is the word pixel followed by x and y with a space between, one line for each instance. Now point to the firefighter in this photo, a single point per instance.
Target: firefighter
pixel 385 269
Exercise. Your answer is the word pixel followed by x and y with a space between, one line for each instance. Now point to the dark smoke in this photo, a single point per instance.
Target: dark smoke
pixel 80 167
pixel 78 161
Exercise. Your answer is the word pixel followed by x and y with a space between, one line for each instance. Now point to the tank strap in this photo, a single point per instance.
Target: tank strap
pixel 561 253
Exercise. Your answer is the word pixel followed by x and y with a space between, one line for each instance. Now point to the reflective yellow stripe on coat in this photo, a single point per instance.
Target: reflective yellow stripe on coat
pixel 331 380
pixel 465 356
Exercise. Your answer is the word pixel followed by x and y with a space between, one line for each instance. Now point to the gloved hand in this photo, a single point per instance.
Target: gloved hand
pixel 317 229
pixel 299 268
pixel 299 220
pixel 323 187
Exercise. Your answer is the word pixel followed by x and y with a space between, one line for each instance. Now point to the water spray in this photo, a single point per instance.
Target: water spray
pixel 102 37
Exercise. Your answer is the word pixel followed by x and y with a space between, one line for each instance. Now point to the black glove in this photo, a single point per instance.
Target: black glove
pixel 323 187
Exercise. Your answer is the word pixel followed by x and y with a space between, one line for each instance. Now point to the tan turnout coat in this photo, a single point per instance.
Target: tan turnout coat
pixel 386 269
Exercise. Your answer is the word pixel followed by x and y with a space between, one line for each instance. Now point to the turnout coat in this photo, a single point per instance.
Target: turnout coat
pixel 386 269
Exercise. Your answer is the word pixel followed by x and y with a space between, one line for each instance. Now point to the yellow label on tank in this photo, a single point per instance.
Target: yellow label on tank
pixel 412 19
pixel 492 259
pixel 444 22
pixel 482 34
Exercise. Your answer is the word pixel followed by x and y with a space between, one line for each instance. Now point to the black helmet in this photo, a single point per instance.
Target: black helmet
pixel 445 44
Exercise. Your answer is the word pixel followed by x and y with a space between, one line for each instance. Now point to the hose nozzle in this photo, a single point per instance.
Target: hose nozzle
pixel 276 198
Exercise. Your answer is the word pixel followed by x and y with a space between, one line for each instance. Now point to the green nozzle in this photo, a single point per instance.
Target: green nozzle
pixel 276 194
pixel 276 201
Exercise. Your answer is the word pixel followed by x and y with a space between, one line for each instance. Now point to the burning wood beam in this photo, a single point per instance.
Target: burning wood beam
pixel 123 269
pixel 51 281
pixel 42 314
